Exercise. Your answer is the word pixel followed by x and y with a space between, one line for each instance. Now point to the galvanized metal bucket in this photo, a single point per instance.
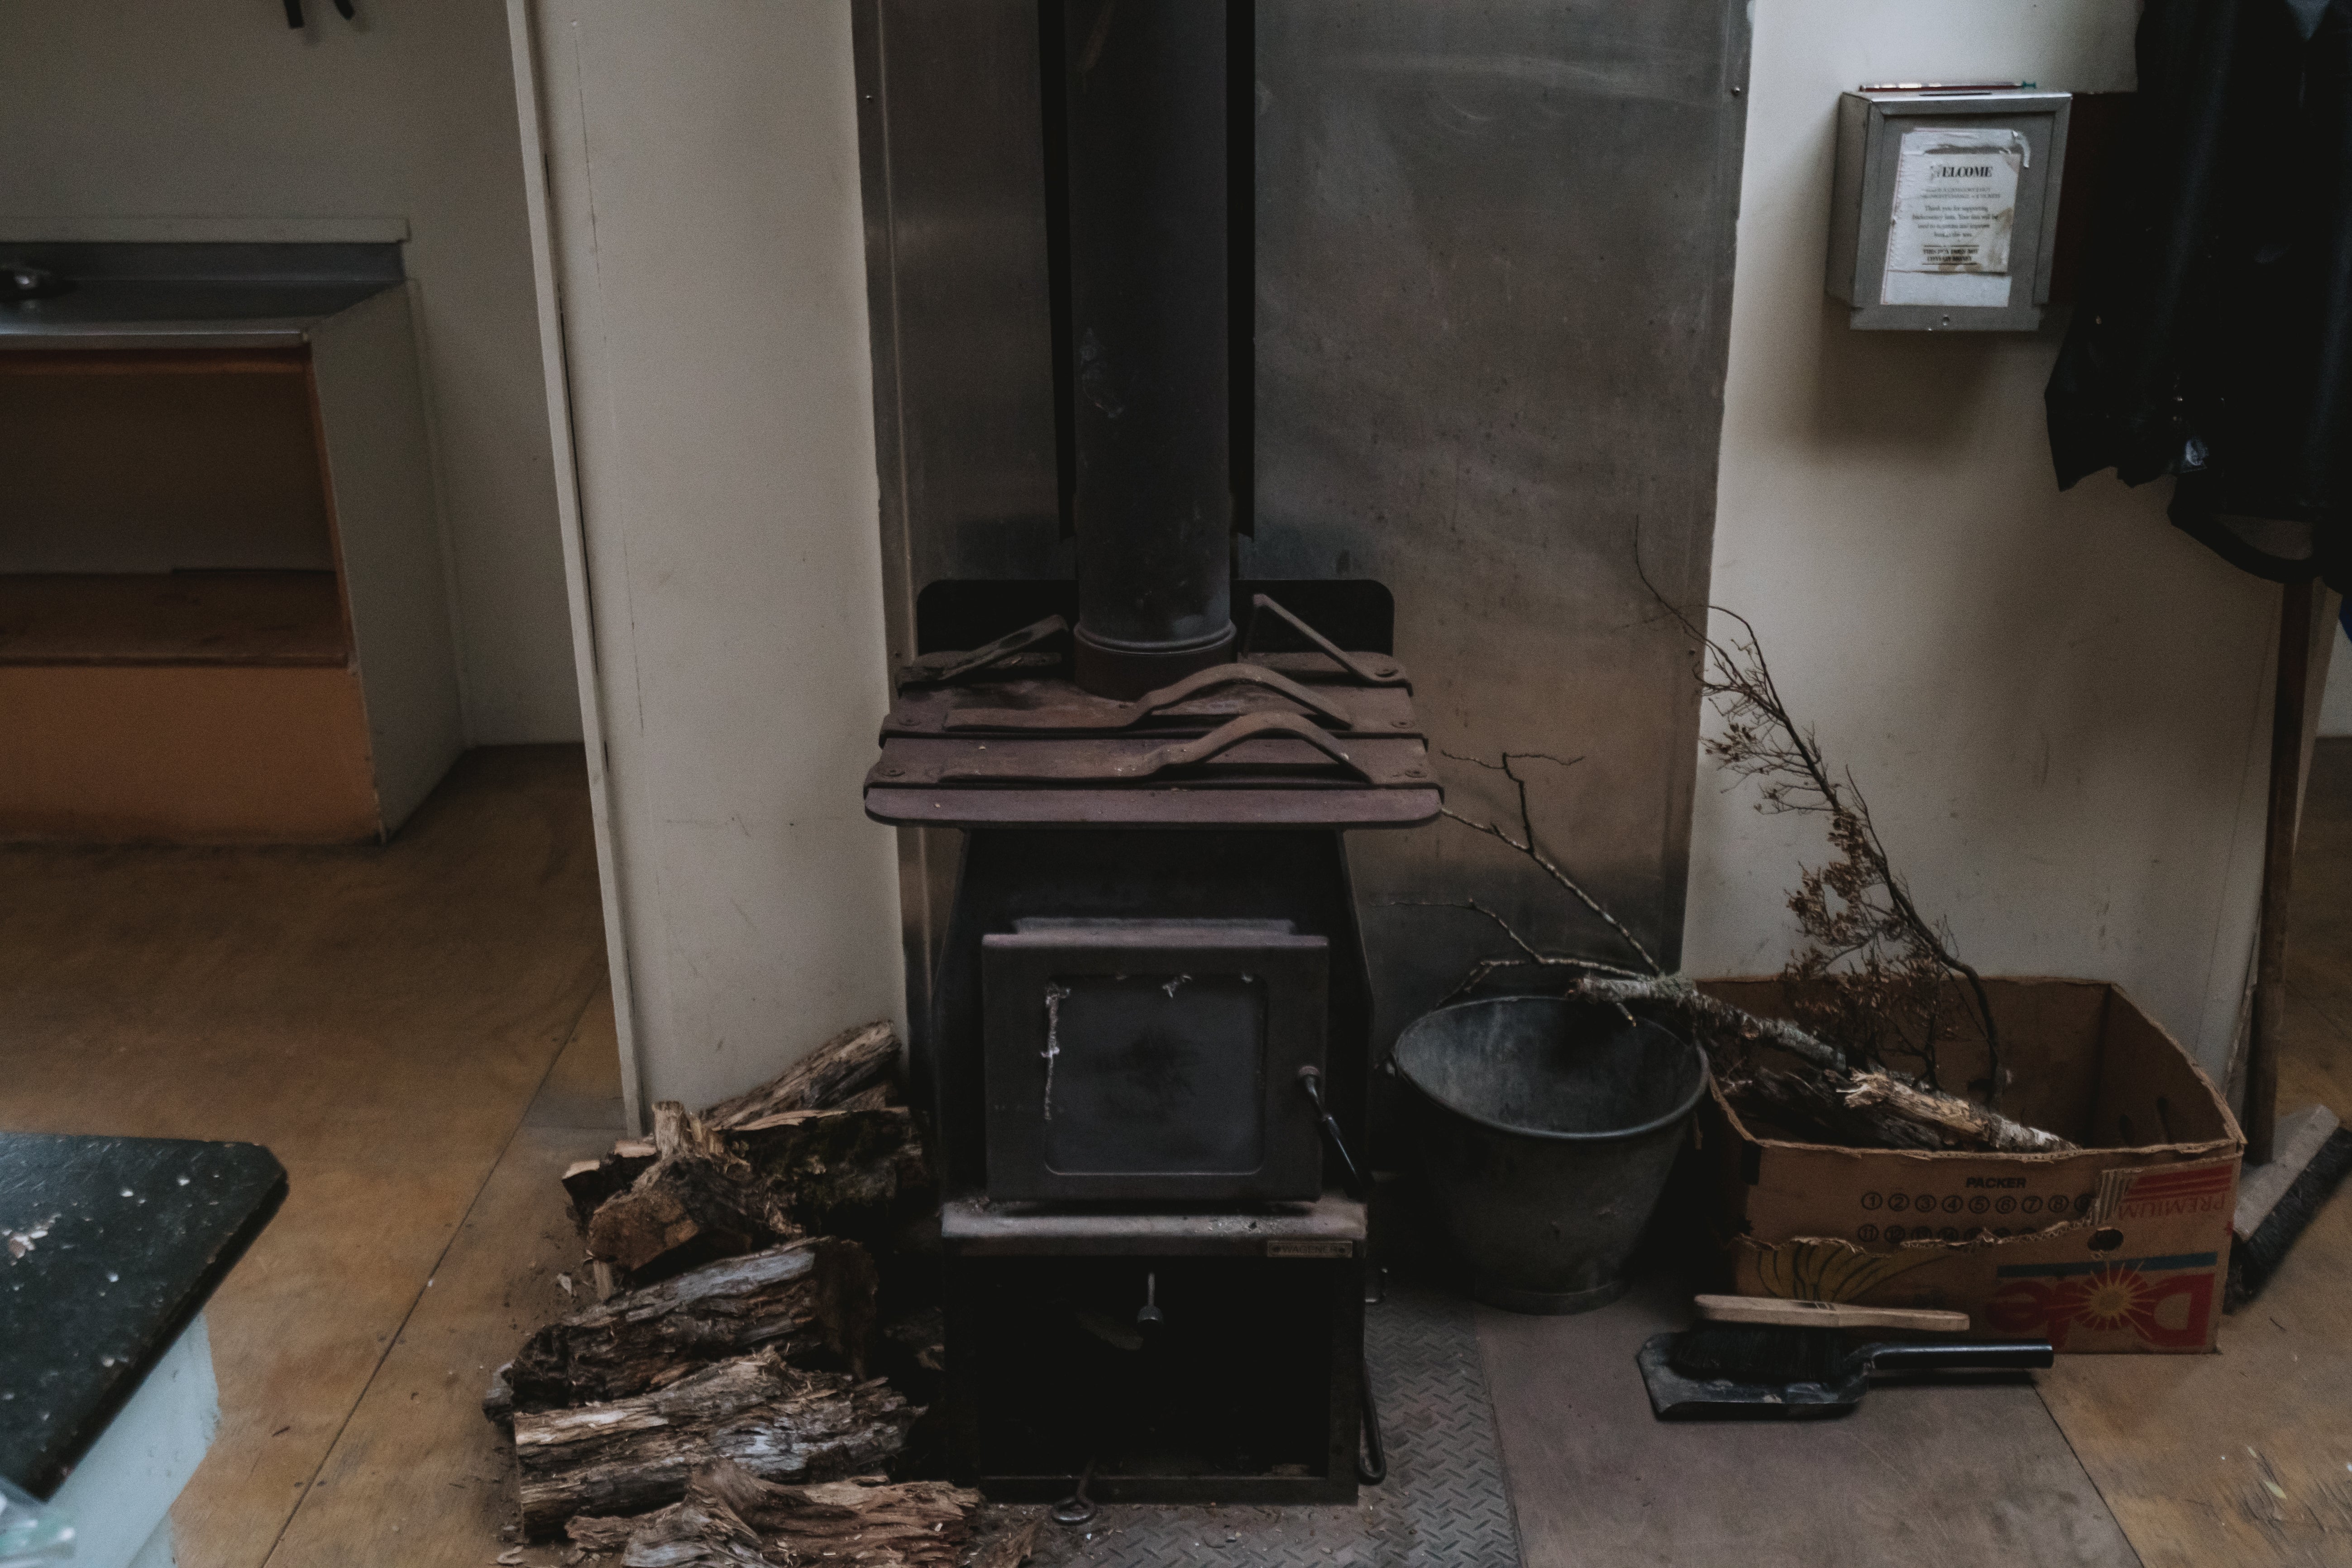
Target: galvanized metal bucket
pixel 1546 1128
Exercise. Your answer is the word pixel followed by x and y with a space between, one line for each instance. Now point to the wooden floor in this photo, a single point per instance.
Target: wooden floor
pixel 2241 1457
pixel 423 1034
pixel 2246 1456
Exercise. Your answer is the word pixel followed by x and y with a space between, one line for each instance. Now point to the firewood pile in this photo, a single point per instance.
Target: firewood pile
pixel 752 1384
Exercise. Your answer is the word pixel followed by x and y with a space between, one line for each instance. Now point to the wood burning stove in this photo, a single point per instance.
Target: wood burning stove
pixel 1152 1001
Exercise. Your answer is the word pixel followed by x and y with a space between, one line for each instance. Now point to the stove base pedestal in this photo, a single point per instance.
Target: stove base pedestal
pixel 1186 1358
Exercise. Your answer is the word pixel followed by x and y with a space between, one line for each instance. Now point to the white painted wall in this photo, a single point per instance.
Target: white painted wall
pixel 115 109
pixel 704 225
pixel 2056 704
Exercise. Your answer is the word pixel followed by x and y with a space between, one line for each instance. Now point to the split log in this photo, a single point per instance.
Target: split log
pixel 922 1524
pixel 712 1193
pixel 699 1530
pixel 837 1170
pixel 780 1422
pixel 697 1201
pixel 590 1181
pixel 880 1097
pixel 855 1061
pixel 727 1509
pixel 812 1301
pixel 1725 1031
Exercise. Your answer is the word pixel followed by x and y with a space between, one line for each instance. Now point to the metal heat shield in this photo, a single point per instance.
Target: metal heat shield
pixel 1494 250
pixel 1156 1061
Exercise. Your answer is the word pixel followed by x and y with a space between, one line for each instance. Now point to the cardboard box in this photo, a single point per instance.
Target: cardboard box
pixel 2121 1246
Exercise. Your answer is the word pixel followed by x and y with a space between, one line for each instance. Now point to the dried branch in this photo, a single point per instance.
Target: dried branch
pixel 1527 845
pixel 1876 968
pixel 1529 955
pixel 1825 1097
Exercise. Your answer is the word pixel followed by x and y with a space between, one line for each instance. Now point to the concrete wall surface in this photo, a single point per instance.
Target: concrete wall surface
pixel 2335 708
pixel 2056 705
pixel 222 114
pixel 707 236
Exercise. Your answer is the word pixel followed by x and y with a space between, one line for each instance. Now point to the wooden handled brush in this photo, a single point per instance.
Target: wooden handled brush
pixel 1774 1309
pixel 1766 1344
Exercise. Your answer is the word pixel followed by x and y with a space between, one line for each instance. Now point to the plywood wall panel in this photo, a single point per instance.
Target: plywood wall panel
pixel 185 755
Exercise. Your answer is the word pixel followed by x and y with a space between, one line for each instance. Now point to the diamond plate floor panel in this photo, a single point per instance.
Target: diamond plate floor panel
pixel 1443 1506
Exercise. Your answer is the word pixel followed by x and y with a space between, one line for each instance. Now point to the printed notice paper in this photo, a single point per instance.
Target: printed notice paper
pixel 1955 209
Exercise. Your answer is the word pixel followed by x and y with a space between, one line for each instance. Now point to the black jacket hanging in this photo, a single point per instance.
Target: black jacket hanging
pixel 2212 338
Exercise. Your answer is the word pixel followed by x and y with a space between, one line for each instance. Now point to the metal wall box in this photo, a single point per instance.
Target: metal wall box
pixel 1155 1060
pixel 1944 212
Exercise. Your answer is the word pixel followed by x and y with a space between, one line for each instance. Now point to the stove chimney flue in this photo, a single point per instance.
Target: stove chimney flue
pixel 1144 98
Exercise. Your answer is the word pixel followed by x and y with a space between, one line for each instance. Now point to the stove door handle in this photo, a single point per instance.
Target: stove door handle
pixel 1226 737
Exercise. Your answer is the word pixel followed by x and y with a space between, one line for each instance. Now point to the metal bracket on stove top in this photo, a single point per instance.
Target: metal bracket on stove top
pixel 993 737
pixel 1379 672
pixel 940 669
pixel 1248 726
pixel 1098 716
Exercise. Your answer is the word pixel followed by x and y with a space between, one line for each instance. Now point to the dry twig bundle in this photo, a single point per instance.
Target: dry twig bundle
pixel 1873 976
pixel 1869 987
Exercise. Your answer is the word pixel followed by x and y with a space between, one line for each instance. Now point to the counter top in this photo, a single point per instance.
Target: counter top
pixel 148 313
pixel 108 1246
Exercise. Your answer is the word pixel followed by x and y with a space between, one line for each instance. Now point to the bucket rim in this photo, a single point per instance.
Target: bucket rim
pixel 1690 1103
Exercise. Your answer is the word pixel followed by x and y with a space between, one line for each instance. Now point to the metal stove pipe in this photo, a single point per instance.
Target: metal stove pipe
pixel 1144 96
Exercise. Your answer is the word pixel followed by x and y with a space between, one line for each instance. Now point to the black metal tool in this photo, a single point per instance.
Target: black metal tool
pixel 1078 1507
pixel 1840 1378
pixel 1311 1080
pixel 1371 1455
pixel 1149 1315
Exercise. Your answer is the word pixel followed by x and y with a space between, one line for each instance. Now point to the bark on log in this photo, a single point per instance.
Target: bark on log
pixel 590 1181
pixel 879 1096
pixel 1811 1110
pixel 837 1168
pixel 683 1535
pixel 712 1193
pixel 781 1423
pixel 853 1060
pixel 923 1524
pixel 698 1200
pixel 1820 1099
pixel 1967 1125
pixel 812 1301
pixel 1878 1111
pixel 726 1510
